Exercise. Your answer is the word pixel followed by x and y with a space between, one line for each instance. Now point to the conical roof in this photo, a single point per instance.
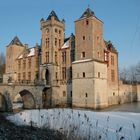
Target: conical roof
pixel 87 13
pixel 53 14
pixel 16 41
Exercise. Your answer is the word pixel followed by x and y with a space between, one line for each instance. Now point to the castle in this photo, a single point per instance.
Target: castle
pixel 79 71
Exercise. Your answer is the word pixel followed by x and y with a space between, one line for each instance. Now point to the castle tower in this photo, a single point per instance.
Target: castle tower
pixel 52 39
pixel 89 36
pixel 89 84
pixel 13 50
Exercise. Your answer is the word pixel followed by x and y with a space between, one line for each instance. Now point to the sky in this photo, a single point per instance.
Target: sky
pixel 121 22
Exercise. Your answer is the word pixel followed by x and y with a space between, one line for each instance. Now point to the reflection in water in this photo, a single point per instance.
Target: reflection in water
pixel 128 107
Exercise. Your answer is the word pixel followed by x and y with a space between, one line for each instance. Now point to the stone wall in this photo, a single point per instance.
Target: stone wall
pixel 89 84
pixel 31 95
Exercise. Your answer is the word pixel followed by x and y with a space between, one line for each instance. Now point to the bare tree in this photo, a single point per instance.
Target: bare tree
pixel 138 72
pixel 131 74
pixel 124 75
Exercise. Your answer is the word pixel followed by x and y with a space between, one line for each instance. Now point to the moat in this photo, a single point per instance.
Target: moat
pixel 128 107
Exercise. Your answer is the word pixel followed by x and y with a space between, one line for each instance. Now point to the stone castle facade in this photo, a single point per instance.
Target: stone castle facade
pixel 79 71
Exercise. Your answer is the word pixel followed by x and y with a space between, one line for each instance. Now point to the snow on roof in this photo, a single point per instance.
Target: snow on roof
pixel 80 61
pixel 31 52
pixel 21 56
pixel 66 45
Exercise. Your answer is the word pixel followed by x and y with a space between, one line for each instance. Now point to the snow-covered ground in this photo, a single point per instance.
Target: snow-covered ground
pixel 81 124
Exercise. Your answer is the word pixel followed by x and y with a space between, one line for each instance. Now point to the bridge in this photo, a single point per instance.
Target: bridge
pixel 30 95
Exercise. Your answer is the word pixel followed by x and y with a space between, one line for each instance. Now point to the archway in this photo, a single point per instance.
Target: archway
pixel 3 103
pixel 28 99
pixel 46 97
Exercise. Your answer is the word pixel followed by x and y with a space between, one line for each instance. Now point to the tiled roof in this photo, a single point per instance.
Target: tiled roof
pixel 87 13
pixel 16 41
pixel 54 15
pixel 110 46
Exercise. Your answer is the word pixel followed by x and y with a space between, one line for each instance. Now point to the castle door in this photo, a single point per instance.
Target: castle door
pixel 47 76
pixel 46 98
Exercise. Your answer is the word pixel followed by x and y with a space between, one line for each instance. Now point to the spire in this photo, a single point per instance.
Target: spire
pixel 53 14
pixel 16 41
pixel 87 13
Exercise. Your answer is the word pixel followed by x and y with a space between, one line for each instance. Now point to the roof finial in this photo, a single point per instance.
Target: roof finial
pixel 88 6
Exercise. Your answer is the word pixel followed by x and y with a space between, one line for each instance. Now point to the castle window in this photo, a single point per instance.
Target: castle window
pixel 47 57
pixel 98 74
pixel 19 64
pixel 56 57
pixel 86 95
pixel 55 41
pixel 84 75
pixel 83 37
pixel 105 56
pixel 63 73
pixel 87 22
pixel 83 55
pixel 29 76
pixel 24 76
pixel 19 77
pixel 98 54
pixel 64 56
pixel 64 93
pixel 59 31
pixel 47 42
pixel 112 60
pixel 24 64
pixel 71 93
pixel 113 93
pixel 112 75
pixel 56 30
pixel 98 39
pixel 29 62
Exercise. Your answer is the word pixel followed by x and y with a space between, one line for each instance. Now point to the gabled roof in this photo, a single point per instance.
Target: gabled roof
pixel 87 13
pixel 66 44
pixel 110 47
pixel 16 41
pixel 53 14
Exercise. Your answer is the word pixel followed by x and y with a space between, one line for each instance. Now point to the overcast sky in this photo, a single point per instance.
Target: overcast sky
pixel 121 22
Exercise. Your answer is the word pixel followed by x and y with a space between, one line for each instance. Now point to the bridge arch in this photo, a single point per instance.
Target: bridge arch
pixel 28 99
pixel 3 103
